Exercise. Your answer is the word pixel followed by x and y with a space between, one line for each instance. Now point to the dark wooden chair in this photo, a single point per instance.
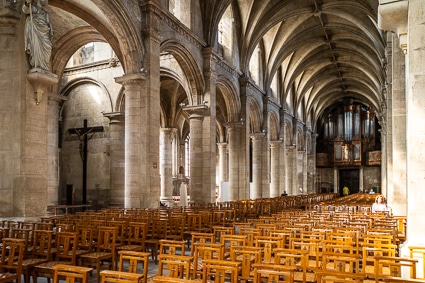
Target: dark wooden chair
pixel 71 273
pixel 12 253
pixel 66 246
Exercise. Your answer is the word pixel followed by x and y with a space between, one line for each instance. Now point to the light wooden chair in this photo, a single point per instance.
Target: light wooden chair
pixel 174 265
pixel 112 276
pixel 272 273
pixel 247 256
pixel 172 247
pixel 298 259
pixel 134 262
pixel 386 266
pixel 71 273
pixel 419 253
pixel 158 232
pixel 166 279
pixel 12 253
pixel 220 271
pixel 202 252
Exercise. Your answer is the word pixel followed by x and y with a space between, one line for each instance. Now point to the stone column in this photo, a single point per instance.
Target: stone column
pixel 116 152
pixel 165 165
pixel 234 132
pixel 398 198
pixel 291 170
pixel 195 148
pixel 223 171
pixel 275 147
pixel 135 141
pixel 54 102
pixel 257 165
pixel 415 117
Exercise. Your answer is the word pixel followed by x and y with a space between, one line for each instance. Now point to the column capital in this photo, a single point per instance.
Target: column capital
pixel 131 79
pixel 114 117
pixel 234 125
pixel 257 136
pixel 196 111
pixel 276 144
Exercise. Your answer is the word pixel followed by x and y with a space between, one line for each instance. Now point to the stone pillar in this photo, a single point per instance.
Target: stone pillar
pixel 54 102
pixel 291 170
pixel 275 147
pixel 336 180
pixel 361 181
pixel 116 152
pixel 234 146
pixel 415 117
pixel 135 142
pixel 257 165
pixel 165 165
pixel 209 132
pixel 397 197
pixel 223 172
pixel 196 150
pixel 384 161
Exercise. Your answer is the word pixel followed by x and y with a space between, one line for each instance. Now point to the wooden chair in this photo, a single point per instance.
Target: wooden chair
pixel 202 252
pixel 230 240
pixel 111 276
pixel 200 238
pixel 71 273
pixel 193 225
pixel 219 271
pixel 268 245
pixel 85 241
pixel 247 256
pixel 386 266
pixel 172 247
pixel 176 224
pixel 174 265
pixel 370 251
pixel 136 237
pixel 271 273
pixel 12 253
pixel 298 259
pixel 158 232
pixel 135 261
pixel 341 263
pixel 419 253
pixel 66 246
pixel 311 246
pixel 105 250
pixel 41 252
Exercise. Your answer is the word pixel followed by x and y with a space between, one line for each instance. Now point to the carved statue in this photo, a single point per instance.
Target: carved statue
pixel 38 32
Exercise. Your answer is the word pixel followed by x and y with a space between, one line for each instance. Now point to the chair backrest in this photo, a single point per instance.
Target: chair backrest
pixel 172 247
pixel 137 232
pixel 11 258
pixel 71 273
pixel 136 262
pixel 111 276
pixel 174 265
pixel 66 247
pixel 220 271
pixel 106 239
pixel 386 266
pixel 272 273
pixel 42 244
pixel 85 237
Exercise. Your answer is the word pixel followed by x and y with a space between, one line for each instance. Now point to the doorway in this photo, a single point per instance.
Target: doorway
pixel 349 178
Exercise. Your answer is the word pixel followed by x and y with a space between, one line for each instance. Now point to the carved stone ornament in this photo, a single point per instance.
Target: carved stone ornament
pixel 41 80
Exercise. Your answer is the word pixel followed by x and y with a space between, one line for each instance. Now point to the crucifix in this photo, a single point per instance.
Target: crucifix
pixel 84 135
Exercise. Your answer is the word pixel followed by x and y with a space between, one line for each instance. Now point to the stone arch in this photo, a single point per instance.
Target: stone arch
pixel 255 116
pixel 274 127
pixel 288 133
pixel 116 25
pixel 65 91
pixel 230 97
pixel 190 67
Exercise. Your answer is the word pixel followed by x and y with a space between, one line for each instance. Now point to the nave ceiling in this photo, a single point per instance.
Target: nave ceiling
pixel 321 50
